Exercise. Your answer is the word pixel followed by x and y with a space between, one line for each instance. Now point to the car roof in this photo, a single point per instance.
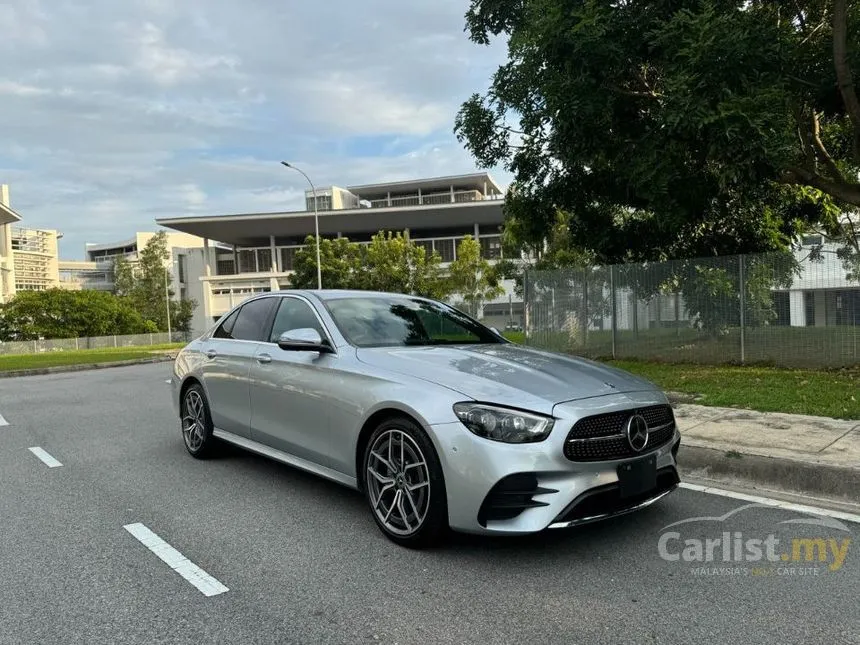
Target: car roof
pixel 337 294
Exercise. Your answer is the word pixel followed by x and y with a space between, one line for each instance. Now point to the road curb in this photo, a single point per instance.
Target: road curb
pixel 61 369
pixel 791 475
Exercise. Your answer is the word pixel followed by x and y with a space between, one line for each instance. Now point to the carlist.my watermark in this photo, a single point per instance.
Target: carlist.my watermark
pixel 814 546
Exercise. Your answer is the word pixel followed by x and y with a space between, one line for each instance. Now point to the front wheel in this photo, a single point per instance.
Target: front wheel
pixel 403 484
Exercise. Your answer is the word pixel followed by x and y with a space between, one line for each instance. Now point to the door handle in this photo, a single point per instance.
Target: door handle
pixel 211 354
pixel 264 358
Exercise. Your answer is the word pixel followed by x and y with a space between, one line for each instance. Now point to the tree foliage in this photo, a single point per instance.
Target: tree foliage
pixel 57 313
pixel 471 276
pixel 670 129
pixel 390 262
pixel 147 286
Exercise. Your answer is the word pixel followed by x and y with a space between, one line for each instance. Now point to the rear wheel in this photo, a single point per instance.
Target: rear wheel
pixel 197 423
pixel 403 484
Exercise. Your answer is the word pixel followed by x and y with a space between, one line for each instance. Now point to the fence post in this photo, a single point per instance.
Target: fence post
pixel 114 340
pixel 77 346
pixel 743 306
pixel 614 306
pixel 525 306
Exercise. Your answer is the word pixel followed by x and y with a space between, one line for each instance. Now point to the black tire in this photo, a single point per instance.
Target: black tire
pixel 434 526
pixel 207 445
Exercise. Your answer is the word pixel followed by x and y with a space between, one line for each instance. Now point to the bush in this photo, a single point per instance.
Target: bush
pixel 57 313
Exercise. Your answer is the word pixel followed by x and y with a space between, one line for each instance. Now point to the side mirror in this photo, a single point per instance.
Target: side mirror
pixel 303 340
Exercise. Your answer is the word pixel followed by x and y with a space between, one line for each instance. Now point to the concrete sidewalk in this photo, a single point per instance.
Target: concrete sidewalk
pixel 796 453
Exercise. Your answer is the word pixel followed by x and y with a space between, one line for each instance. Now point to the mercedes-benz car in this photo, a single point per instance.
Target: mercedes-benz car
pixel 439 420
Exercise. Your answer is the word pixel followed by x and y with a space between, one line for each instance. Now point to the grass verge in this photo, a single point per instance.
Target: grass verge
pixel 827 393
pixel 18 362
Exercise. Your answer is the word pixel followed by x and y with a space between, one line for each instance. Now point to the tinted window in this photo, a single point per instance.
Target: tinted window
pixel 381 321
pixel 294 314
pixel 225 329
pixel 252 318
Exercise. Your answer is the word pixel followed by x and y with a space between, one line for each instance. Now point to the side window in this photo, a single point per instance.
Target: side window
pixel 294 314
pixel 225 329
pixel 252 318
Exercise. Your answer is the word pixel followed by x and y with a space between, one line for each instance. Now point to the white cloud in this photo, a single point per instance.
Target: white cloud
pixel 115 113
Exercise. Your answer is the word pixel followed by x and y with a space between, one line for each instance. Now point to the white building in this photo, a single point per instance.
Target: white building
pixel 96 272
pixel 8 217
pixel 28 257
pixel 252 253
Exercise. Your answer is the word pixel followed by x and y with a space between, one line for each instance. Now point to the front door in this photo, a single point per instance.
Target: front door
pixel 291 390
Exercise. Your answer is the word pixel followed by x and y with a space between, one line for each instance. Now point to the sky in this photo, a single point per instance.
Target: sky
pixel 115 113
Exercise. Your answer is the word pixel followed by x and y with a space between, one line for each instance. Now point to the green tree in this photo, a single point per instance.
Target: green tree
pixel 670 129
pixel 390 262
pixel 147 287
pixel 57 313
pixel 471 277
pixel 339 259
pixel 393 262
pixel 123 276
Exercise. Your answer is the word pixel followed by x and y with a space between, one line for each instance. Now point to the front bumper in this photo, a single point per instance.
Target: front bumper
pixel 540 486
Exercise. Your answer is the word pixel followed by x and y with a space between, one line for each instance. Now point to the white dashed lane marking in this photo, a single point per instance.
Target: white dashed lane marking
pixel 205 583
pixel 776 503
pixel 46 459
pixel 3 421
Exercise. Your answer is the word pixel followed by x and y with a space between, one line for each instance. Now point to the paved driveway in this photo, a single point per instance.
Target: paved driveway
pixel 303 562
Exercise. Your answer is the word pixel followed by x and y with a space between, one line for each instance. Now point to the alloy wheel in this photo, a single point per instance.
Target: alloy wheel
pixel 398 481
pixel 194 421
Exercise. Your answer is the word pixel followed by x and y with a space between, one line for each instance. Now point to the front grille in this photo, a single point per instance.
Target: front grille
pixel 603 437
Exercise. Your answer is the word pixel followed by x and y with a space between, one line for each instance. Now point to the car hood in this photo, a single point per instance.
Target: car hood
pixel 506 373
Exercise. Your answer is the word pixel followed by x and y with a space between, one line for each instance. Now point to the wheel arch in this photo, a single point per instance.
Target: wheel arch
pixel 380 414
pixel 184 387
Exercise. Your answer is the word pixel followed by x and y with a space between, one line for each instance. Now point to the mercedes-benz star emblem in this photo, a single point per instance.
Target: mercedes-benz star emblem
pixel 637 433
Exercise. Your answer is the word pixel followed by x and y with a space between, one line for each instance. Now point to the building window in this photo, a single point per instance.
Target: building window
pixel 812 240
pixel 247 261
pixel 427 245
pixel 182 270
pixel 809 308
pixel 491 247
pixel 288 257
pixel 445 248
pixel 264 260
pixel 323 202
pixel 225 267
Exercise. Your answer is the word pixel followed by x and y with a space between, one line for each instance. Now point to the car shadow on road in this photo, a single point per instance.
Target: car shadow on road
pixel 351 507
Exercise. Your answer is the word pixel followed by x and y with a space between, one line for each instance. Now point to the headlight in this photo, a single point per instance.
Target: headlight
pixel 502 424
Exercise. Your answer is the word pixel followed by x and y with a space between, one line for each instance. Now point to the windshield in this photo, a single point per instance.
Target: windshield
pixel 380 321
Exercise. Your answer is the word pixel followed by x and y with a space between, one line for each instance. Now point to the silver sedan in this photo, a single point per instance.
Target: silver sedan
pixel 440 421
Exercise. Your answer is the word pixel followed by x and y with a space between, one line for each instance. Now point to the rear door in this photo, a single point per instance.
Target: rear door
pixel 229 354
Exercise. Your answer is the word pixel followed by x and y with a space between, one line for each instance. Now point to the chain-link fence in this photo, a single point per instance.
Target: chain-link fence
pixel 95 342
pixel 789 309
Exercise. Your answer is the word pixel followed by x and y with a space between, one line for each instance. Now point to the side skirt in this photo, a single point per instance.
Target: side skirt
pixel 285 458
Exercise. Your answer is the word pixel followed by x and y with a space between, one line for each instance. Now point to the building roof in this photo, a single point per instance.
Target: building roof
pixel 253 229
pixel 7 215
pixel 475 181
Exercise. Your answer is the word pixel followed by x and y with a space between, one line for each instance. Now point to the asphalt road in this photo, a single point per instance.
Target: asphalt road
pixel 304 562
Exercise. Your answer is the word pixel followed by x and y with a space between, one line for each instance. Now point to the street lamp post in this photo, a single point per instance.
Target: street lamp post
pixel 316 222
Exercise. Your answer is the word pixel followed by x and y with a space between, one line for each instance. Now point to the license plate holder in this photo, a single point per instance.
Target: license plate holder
pixel 637 477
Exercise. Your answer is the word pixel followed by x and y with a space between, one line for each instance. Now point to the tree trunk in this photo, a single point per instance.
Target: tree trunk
pixel 843 71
